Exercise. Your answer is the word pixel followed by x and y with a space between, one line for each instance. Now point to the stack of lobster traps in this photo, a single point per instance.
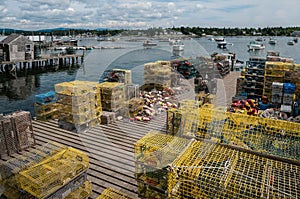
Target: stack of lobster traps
pixel 49 171
pixel 16 132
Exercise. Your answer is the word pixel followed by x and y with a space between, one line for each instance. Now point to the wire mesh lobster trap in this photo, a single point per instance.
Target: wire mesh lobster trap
pixel 82 192
pixel 52 173
pixel 269 136
pixel 153 153
pixel 16 132
pixel 110 193
pixel 210 170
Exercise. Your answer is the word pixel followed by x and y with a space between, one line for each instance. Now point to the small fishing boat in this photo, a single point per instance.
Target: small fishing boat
pixel 260 39
pixel 255 45
pixel 291 42
pixel 178 45
pixel 222 44
pixel 272 41
pixel 219 39
pixel 148 43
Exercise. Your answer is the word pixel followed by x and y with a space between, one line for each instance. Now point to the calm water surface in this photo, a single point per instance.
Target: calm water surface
pixel 18 94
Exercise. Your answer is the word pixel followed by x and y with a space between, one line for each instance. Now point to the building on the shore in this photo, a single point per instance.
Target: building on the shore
pixel 37 38
pixel 296 33
pixel 16 47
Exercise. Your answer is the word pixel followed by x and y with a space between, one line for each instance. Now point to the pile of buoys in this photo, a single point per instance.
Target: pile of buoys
pixel 249 107
pixel 278 115
pixel 154 103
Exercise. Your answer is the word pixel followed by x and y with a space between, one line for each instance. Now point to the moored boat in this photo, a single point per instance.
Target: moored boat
pixel 178 45
pixel 222 44
pixel 148 43
pixel 272 41
pixel 255 45
pixel 291 42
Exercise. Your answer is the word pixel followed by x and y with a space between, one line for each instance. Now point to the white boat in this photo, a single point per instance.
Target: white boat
pixel 222 44
pixel 148 43
pixel 178 45
pixel 291 42
pixel 260 39
pixel 219 39
pixel 272 41
pixel 255 45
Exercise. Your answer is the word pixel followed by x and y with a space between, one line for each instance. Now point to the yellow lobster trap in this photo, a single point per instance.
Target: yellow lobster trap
pixel 210 170
pixel 110 193
pixel 54 172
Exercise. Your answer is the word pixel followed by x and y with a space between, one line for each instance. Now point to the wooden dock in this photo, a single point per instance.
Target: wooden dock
pixel 12 67
pixel 110 149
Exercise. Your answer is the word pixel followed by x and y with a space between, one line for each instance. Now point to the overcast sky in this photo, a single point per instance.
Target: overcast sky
pixel 132 14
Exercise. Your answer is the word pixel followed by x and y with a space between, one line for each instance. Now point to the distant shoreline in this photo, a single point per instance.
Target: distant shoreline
pixel 191 31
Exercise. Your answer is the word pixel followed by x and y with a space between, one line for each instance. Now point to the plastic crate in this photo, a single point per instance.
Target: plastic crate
pixel 45 98
pixel 289 88
pixel 288 99
pixel 277 87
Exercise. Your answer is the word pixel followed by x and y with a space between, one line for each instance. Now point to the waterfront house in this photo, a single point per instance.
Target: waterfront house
pixel 16 47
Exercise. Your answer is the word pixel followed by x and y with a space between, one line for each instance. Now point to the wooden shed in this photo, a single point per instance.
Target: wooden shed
pixel 16 47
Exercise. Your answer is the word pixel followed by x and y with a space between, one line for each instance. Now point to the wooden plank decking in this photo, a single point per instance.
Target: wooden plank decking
pixel 110 148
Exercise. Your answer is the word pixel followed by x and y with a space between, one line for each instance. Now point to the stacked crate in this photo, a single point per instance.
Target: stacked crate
pixel 135 105
pixel 222 64
pixel 276 93
pixel 45 106
pixel 55 176
pixel 124 76
pixel 274 137
pixel 275 72
pixel 80 104
pixel 9 170
pixel 185 68
pixel 207 79
pixel 108 117
pixel 110 193
pixel 132 91
pixel 240 86
pixel 82 192
pixel 210 170
pixel 158 72
pixel 296 79
pixel 254 77
pixel 112 96
pixel 153 153
pixel 174 116
pixel 288 97
pixel 16 132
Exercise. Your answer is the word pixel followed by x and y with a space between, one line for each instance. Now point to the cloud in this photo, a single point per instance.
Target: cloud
pixel 39 14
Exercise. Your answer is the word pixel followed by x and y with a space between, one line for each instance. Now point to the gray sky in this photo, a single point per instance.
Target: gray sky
pixel 132 14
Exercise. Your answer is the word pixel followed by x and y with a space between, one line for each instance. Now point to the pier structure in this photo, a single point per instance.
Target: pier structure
pixel 12 67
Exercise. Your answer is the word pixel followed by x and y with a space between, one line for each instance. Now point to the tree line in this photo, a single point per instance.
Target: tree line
pixel 199 31
pixel 267 31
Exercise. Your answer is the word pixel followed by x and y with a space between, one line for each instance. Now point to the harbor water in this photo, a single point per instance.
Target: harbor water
pixel 18 94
